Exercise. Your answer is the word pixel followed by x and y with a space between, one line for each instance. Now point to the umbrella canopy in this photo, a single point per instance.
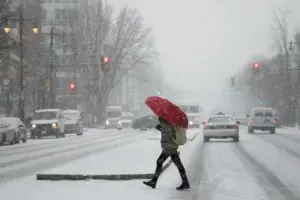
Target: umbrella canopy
pixel 167 110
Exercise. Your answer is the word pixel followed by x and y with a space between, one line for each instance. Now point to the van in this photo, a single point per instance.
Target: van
pixel 262 119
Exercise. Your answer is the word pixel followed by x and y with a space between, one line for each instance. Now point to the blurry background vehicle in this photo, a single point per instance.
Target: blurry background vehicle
pixel 73 122
pixel 144 123
pixel 221 126
pixel 47 122
pixel 262 119
pixel 12 130
pixel 193 112
pixel 125 120
pixel 113 116
pixel 241 117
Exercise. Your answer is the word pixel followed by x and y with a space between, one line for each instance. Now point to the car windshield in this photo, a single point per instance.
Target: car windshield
pixel 7 122
pixel 218 119
pixel 45 115
pixel 127 118
pixel 184 108
pixel 194 109
pixel 259 114
pixel 114 114
pixel 70 116
pixel 268 114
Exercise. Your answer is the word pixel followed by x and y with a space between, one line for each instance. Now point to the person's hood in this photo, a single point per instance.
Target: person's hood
pixel 44 121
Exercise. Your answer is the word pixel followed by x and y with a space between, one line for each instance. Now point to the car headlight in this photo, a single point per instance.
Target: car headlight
pixel 120 122
pixel 190 122
pixel 33 126
pixel 107 122
pixel 54 126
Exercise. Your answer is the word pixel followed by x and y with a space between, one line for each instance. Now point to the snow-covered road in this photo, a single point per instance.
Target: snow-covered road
pixel 24 159
pixel 260 167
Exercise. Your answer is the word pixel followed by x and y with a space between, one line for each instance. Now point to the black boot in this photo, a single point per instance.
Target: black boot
pixel 151 183
pixel 184 185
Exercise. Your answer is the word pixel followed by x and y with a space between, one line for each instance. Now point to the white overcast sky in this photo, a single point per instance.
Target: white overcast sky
pixel 203 42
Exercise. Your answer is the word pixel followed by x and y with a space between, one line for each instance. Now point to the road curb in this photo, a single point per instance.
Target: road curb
pixel 110 177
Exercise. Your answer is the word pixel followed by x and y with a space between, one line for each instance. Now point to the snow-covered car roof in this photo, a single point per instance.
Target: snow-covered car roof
pixel 48 110
pixel 70 111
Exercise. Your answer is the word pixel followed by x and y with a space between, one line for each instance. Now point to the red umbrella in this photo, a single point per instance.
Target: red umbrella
pixel 167 110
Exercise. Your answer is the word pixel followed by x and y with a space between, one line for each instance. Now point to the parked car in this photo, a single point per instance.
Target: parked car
pixel 12 130
pixel 144 123
pixel 73 122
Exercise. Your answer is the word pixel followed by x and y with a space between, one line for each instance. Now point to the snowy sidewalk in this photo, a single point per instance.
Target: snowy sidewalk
pixel 29 188
pixel 137 160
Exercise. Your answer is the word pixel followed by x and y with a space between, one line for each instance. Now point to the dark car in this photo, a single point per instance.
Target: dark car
pixel 12 130
pixel 144 123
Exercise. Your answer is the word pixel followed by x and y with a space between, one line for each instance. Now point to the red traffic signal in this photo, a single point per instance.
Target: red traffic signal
pixel 255 65
pixel 72 87
pixel 256 69
pixel 105 60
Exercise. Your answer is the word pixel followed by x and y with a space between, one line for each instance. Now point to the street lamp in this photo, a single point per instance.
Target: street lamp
pixel 21 20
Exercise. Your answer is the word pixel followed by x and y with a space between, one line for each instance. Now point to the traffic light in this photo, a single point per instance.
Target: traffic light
pixel 256 69
pixel 72 87
pixel 158 91
pixel 262 102
pixel 105 63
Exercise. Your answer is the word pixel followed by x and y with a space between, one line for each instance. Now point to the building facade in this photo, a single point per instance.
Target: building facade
pixel 55 14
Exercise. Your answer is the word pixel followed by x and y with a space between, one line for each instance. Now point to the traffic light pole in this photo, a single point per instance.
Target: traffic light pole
pixel 74 77
pixel 51 77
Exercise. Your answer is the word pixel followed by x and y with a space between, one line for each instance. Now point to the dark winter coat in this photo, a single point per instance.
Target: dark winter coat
pixel 168 137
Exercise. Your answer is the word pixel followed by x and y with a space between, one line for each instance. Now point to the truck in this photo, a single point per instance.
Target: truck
pixel 113 116
pixel 193 112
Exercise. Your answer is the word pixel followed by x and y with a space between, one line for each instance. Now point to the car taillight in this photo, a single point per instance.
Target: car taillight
pixel 206 127
pixel 235 126
pixel 274 121
pixel 251 121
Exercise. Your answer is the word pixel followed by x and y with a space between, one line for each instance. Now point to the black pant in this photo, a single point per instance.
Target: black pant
pixel 175 159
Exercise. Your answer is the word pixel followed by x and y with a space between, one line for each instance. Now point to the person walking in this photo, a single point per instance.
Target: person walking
pixel 169 148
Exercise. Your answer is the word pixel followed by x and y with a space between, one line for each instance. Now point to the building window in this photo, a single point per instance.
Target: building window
pixel 57 14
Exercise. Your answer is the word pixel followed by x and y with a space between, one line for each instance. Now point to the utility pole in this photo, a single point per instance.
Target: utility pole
pixel 74 73
pixel 21 20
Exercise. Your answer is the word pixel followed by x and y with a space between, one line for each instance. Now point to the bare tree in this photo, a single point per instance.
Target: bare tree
pixel 125 38
pixel 4 14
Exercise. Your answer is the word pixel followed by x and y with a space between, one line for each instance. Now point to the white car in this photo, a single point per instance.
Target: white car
pixel 221 126
pixel 262 119
pixel 125 121
pixel 73 122
pixel 47 122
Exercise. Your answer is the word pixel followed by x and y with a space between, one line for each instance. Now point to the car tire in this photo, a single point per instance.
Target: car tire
pixel 62 134
pixel 79 131
pixel 206 139
pixel 272 131
pixel 236 138
pixel 24 140
pixel 13 142
pixel 250 130
pixel 32 136
pixel 3 139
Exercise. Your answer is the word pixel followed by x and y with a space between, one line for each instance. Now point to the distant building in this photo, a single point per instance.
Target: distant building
pixel 55 12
